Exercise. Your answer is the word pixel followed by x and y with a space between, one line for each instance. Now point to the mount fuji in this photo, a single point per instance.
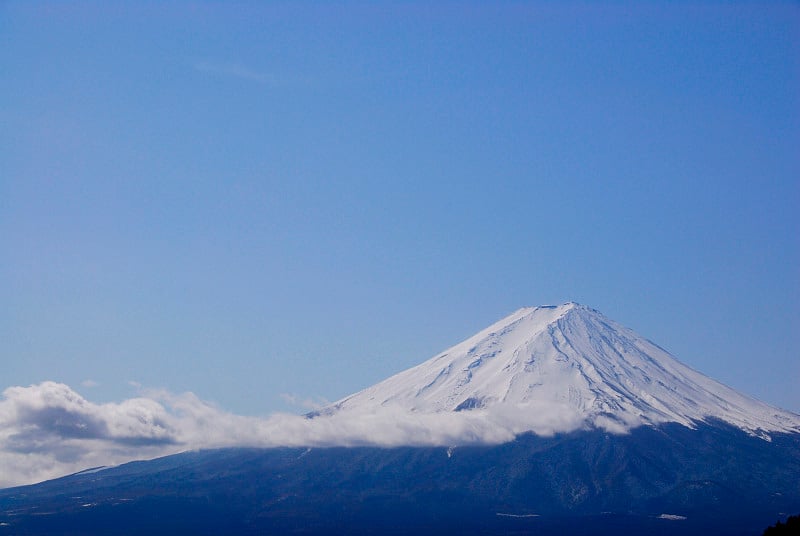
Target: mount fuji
pixel 565 367
pixel 605 433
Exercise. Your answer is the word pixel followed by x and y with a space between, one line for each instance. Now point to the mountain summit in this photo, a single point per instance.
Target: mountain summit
pixel 570 367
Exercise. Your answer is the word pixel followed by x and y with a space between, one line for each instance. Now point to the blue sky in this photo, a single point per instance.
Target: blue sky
pixel 258 199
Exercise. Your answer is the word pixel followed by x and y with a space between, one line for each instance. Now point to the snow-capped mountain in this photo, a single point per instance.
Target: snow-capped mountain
pixel 568 363
pixel 693 461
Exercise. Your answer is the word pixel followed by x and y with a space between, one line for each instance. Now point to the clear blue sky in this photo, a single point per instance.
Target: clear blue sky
pixel 243 200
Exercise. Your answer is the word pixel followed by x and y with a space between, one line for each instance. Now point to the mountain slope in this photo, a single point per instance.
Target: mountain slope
pixel 665 479
pixel 572 366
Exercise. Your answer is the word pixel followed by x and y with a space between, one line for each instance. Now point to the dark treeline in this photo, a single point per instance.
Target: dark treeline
pixel 791 527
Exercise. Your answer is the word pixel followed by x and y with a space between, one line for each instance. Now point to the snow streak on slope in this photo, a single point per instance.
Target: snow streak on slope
pixel 562 368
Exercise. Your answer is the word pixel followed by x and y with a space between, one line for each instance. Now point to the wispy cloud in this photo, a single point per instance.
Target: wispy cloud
pixel 48 429
pixel 237 70
pixel 309 404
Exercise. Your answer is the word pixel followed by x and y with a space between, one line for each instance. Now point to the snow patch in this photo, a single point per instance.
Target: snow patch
pixel 672 517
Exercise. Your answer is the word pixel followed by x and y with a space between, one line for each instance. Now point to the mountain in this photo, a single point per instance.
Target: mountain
pixel 613 435
pixel 570 365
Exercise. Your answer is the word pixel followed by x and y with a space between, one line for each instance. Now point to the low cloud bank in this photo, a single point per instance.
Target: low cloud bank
pixel 48 430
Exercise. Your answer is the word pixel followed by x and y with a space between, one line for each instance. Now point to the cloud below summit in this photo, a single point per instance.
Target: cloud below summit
pixel 48 430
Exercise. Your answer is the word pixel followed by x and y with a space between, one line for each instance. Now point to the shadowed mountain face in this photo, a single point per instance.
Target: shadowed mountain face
pixel 656 480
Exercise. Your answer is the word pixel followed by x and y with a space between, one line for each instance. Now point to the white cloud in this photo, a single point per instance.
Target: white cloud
pixel 89 383
pixel 48 430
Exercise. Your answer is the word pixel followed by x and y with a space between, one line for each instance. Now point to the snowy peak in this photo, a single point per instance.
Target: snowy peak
pixel 567 366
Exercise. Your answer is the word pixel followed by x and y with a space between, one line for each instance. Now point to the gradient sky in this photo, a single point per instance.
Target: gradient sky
pixel 255 200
